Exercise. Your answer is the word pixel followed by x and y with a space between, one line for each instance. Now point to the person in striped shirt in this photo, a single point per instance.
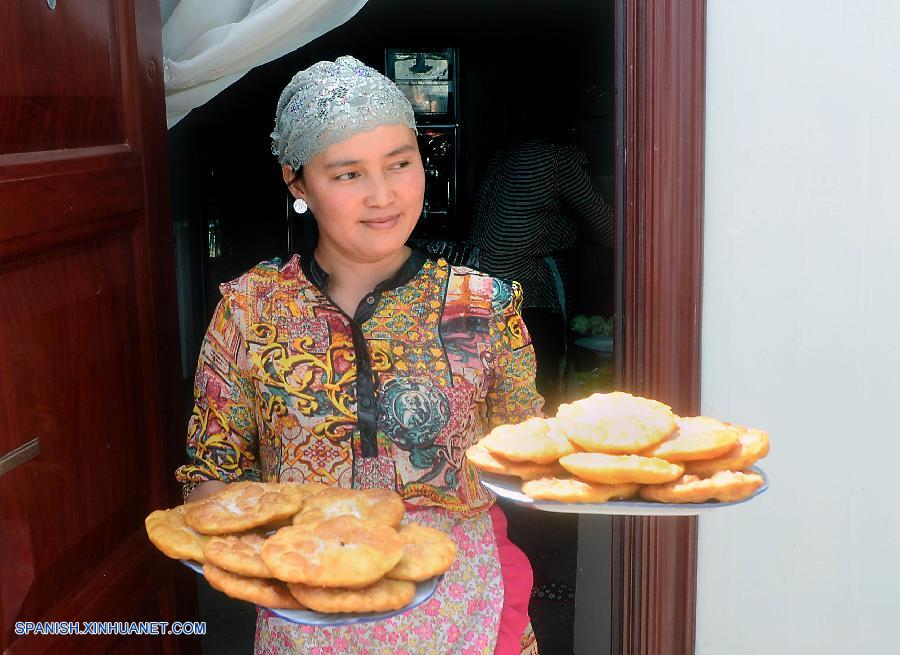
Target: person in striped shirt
pixel 536 199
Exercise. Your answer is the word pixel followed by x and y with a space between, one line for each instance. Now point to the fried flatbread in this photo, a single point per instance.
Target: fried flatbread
pixel 723 486
pixel 484 460
pixel 237 554
pixel 620 469
pixel 301 490
pixel 752 445
pixel 537 440
pixel 376 505
pixel 168 530
pixel 340 552
pixel 242 506
pixel 616 423
pixel 384 596
pixel 696 437
pixel 570 490
pixel 261 591
pixel 427 552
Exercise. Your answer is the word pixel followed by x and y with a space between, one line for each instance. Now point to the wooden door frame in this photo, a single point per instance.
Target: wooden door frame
pixel 90 204
pixel 660 80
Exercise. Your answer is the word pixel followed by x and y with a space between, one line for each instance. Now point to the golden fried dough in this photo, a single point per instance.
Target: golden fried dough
pixel 482 459
pixel 570 490
pixel 301 490
pixel 168 530
pixel 724 486
pixel 696 437
pixel 261 591
pixel 241 506
pixel 340 552
pixel 620 469
pixel 237 554
pixel 751 446
pixel 536 440
pixel 427 552
pixel 384 596
pixel 377 505
pixel 616 422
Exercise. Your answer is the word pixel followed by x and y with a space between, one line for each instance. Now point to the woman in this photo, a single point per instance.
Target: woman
pixel 365 364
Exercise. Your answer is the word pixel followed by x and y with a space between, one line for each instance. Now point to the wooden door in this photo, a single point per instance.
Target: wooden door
pixel 661 54
pixel 88 346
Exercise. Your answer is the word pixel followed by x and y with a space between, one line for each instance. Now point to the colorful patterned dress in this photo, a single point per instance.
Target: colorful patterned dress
pixel 289 387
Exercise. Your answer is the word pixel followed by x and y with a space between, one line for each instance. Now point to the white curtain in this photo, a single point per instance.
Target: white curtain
pixel 209 44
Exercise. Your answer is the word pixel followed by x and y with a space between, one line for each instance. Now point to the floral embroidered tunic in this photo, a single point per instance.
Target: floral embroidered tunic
pixel 289 387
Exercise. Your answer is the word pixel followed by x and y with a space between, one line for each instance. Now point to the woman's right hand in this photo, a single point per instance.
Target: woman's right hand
pixel 204 489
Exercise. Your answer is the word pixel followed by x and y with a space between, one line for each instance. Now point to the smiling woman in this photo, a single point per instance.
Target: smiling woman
pixel 366 193
pixel 365 364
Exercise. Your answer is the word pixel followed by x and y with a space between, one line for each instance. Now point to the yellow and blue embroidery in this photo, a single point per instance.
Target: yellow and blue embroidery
pixel 275 391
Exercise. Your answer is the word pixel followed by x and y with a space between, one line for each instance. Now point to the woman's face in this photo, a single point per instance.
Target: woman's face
pixel 366 192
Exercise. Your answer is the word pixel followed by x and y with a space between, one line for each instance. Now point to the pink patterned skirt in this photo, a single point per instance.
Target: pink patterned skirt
pixel 480 607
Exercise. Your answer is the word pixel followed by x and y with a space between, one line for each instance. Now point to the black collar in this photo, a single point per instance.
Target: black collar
pixel 319 276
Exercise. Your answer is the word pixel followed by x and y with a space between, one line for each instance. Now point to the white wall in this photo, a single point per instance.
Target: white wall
pixel 801 324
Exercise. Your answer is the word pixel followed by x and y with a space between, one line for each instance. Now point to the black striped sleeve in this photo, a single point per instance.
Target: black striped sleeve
pixel 588 209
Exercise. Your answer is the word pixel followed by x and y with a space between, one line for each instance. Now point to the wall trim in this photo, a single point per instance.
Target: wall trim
pixel 661 49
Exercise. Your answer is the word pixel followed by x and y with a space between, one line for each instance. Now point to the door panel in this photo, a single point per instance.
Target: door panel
pixel 61 196
pixel 88 340
pixel 121 577
pixel 60 100
pixel 90 467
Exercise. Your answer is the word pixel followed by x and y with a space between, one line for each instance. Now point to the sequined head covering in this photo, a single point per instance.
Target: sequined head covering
pixel 331 101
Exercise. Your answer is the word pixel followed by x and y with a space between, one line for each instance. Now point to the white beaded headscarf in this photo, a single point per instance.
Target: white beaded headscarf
pixel 331 101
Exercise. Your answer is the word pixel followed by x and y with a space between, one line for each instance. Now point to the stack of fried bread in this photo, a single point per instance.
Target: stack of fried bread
pixel 305 546
pixel 616 446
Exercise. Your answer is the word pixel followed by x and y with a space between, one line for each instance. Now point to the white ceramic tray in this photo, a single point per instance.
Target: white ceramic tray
pixel 424 591
pixel 510 488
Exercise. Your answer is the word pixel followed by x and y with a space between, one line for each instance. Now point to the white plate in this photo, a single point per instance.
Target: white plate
pixel 197 567
pixel 510 488
pixel 598 343
pixel 424 591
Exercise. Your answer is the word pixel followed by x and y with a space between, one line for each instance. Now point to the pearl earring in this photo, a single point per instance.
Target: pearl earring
pixel 300 205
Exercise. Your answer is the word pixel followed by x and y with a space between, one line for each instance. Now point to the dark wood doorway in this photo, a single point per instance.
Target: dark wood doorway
pixel 661 78
pixel 88 341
